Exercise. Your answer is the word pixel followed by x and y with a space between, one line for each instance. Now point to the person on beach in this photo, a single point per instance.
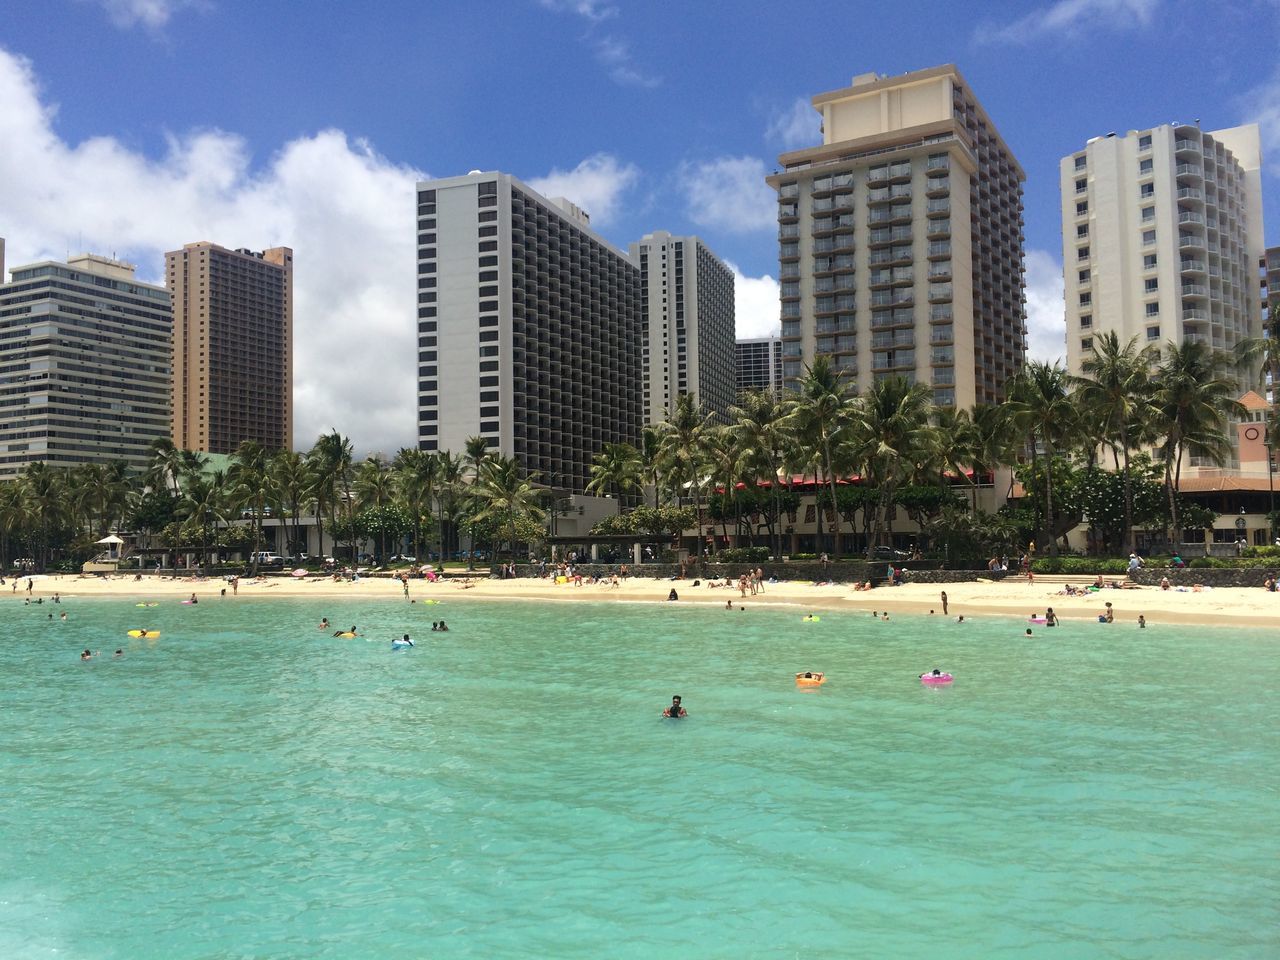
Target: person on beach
pixel 1050 618
pixel 1109 616
pixel 1164 583
pixel 675 596
pixel 944 603
pixel 673 712
pixel 728 604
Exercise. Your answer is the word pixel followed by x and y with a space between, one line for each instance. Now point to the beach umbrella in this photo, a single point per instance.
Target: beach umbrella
pixel 299 573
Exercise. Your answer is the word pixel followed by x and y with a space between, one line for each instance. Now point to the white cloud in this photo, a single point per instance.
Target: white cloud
pixel 347 212
pixel 755 302
pixel 1046 315
pixel 593 10
pixel 799 125
pixel 596 185
pixel 615 56
pixel 152 14
pixel 729 193
pixel 1071 18
pixel 1261 105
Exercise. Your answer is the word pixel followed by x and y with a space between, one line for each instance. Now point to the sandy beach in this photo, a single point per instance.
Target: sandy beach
pixel 1245 607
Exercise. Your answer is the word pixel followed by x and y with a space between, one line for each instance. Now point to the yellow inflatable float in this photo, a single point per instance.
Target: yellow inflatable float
pixel 810 679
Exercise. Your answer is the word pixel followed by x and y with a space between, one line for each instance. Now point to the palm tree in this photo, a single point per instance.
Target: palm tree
pixel 449 499
pixel 293 481
pixel 1042 404
pixel 892 435
pixel 43 495
pixel 1264 354
pixel 417 475
pixel 206 501
pixel 650 453
pixel 375 486
pixel 502 494
pixel 166 465
pixel 615 468
pixel 250 484
pixel 477 453
pixel 760 426
pixel 332 455
pixel 957 447
pixel 1195 399
pixel 682 444
pixel 1116 389
pixel 823 414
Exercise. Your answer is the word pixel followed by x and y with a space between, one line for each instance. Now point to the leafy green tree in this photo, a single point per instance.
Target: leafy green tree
pixel 1041 404
pixel 823 413
pixel 682 442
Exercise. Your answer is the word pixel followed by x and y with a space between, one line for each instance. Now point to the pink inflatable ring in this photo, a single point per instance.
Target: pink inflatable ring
pixel 936 678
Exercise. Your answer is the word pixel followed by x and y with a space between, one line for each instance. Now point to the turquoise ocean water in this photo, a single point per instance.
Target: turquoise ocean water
pixel 247 786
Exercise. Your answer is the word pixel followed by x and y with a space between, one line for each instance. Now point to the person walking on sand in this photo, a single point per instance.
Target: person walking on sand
pixel 944 603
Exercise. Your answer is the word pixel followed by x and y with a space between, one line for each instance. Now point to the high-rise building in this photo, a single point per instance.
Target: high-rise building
pixel 900 240
pixel 687 302
pixel 1270 270
pixel 529 328
pixel 759 364
pixel 232 347
pixel 1161 237
pixel 84 365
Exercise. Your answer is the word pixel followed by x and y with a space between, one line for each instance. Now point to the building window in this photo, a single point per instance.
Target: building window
pixel 1086 343
pixel 1082 185
pixel 1083 276
pixel 1082 208
pixel 1153 333
pixel 1148 214
pixel 1082 230
pixel 1144 167
pixel 1082 253
pixel 1152 284
pixel 1147 190
pixel 1148 238
pixel 1144 142
pixel 1086 299
pixel 1149 261
pixel 1081 161
pixel 1086 319
pixel 1153 309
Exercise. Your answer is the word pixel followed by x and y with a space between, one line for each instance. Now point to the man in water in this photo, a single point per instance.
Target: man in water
pixel 119 654
pixel 324 623
pixel 405 639
pixel 674 712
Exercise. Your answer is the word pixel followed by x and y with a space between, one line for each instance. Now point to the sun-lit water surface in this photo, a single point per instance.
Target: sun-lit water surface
pixel 248 786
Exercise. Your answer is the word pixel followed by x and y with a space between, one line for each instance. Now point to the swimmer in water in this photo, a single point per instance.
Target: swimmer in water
pixel 324 623
pixel 936 673
pixel 119 654
pixel 960 619
pixel 86 655
pixel 1142 622
pixel 443 625
pixel 675 711
pixel 1029 633
pixel 193 599
pixel 405 639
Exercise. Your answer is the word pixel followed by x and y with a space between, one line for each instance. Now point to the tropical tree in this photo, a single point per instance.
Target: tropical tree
pixel 892 434
pixel 375 487
pixel 761 428
pixel 682 446
pixel 1116 390
pixel 502 495
pixel 293 482
pixel 1041 404
pixel 1195 399
pixel 250 485
pixel 823 415
pixel 332 456
pixel 617 469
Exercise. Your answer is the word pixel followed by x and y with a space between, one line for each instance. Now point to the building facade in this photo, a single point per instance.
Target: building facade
pixel 688 308
pixel 232 347
pixel 84 365
pixel 900 240
pixel 758 361
pixel 1161 238
pixel 530 329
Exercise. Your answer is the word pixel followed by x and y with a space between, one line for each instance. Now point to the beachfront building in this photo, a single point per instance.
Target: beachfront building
pixel 900 240
pixel 758 361
pixel 232 347
pixel 84 365
pixel 530 328
pixel 1161 238
pixel 688 309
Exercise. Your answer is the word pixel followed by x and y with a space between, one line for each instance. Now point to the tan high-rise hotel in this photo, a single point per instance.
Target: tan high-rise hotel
pixel 232 347
pixel 900 240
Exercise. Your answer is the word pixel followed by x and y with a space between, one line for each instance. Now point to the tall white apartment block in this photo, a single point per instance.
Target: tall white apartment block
pixel 687 302
pixel 529 328
pixel 84 365
pixel 1162 236
pixel 759 364
pixel 900 240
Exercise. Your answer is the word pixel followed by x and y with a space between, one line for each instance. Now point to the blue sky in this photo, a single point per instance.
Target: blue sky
pixel 132 126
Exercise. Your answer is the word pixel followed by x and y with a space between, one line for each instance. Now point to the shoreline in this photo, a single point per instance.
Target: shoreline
pixel 1223 606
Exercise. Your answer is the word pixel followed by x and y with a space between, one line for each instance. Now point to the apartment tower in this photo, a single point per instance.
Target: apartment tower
pixel 1161 238
pixel 530 330
pixel 687 303
pixel 900 240
pixel 759 364
pixel 84 365
pixel 232 347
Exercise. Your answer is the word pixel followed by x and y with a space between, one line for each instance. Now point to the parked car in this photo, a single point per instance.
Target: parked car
pixel 401 558
pixel 266 560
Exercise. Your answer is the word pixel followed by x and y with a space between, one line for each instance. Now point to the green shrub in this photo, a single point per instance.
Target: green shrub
pixel 1272 553
pixel 743 554
pixel 1074 566
pixel 804 556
